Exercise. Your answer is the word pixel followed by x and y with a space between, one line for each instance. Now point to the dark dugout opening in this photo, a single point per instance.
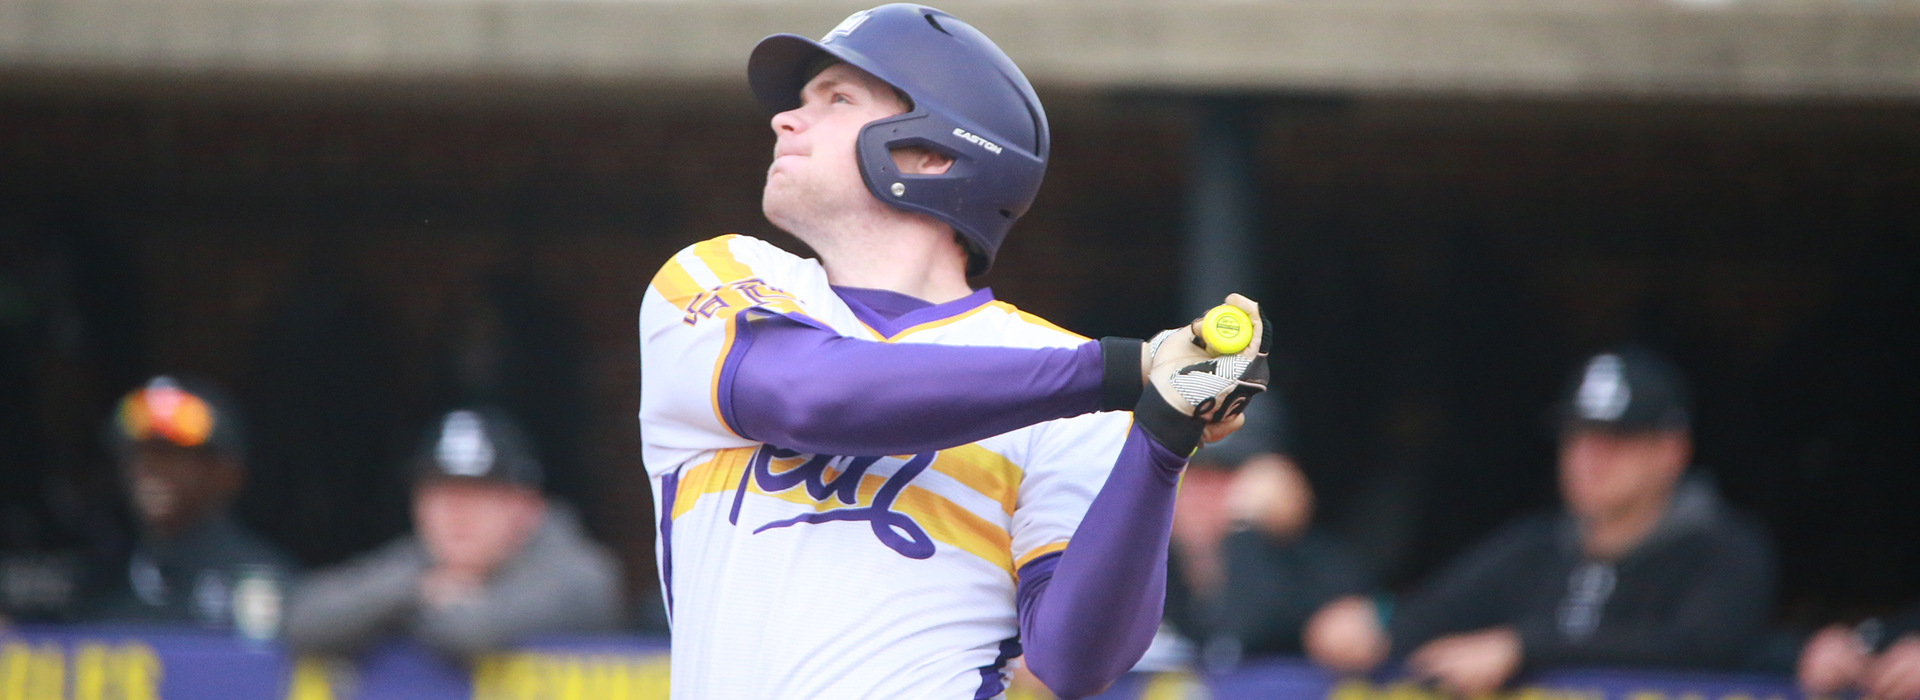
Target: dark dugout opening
pixel 1434 268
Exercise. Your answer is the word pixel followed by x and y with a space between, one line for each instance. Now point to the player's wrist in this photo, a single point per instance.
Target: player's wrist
pixel 1175 430
pixel 1121 381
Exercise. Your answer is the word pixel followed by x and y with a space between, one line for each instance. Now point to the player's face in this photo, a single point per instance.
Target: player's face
pixel 1603 473
pixel 474 525
pixel 173 488
pixel 815 176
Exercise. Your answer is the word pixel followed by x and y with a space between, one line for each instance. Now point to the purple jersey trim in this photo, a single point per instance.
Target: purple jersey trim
pixel 792 384
pixel 742 340
pixel 669 489
pixel 991 684
pixel 1088 613
pixel 889 313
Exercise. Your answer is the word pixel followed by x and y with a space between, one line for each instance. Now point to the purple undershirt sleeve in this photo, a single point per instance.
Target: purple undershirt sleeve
pixel 1088 613
pixel 802 387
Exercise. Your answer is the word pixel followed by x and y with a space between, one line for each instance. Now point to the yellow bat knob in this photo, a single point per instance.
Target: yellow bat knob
pixel 1226 329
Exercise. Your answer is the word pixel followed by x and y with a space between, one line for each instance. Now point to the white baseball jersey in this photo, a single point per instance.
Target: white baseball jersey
pixel 795 575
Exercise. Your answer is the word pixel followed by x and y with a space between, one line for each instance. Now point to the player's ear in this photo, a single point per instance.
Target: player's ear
pixel 920 160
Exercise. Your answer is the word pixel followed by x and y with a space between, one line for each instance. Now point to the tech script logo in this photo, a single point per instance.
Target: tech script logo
pixel 831 479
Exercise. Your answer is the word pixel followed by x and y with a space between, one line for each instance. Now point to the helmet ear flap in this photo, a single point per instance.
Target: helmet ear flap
pixel 980 215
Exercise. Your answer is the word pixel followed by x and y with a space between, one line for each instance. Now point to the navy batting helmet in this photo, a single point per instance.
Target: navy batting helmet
pixel 969 102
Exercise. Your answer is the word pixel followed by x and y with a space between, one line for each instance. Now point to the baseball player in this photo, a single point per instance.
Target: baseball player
pixel 872 480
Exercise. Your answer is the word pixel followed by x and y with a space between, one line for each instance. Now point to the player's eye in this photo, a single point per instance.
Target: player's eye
pixel 842 98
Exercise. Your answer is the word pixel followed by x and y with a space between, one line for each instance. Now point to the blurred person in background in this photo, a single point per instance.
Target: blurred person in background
pixel 490 561
pixel 1643 567
pixel 1878 658
pixel 181 453
pixel 1280 569
pixel 1247 566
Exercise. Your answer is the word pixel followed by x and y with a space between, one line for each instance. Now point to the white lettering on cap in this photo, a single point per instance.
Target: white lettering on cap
pixel 845 27
pixel 1604 393
pixel 464 449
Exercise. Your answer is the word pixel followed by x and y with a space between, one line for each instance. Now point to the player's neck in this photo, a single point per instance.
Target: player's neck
pixel 914 257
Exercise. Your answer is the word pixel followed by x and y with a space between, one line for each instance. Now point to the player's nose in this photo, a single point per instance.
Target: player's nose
pixel 788 122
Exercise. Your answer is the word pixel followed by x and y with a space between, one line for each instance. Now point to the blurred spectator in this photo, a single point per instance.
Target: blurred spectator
pixel 1879 658
pixel 181 451
pixel 1279 569
pixel 491 561
pixel 1643 568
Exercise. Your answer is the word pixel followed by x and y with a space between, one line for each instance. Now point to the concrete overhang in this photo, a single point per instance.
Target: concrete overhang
pixel 1741 49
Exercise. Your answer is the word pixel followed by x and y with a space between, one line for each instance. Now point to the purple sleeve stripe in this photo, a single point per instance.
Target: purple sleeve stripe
pixel 799 387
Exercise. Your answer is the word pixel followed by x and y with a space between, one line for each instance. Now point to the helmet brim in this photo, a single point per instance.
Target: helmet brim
pixel 777 70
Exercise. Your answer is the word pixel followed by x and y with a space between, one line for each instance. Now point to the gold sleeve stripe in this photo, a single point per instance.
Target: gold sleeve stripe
pixel 717 253
pixel 1038 552
pixel 673 282
pixel 719 362
pixel 982 470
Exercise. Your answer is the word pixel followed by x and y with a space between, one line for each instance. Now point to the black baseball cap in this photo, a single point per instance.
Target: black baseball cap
pixel 481 443
pixel 1627 389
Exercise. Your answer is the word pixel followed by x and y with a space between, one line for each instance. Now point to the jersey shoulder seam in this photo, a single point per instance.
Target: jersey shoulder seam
pixel 1036 321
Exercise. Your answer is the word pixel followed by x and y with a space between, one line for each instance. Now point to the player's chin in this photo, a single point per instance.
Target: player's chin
pixel 777 203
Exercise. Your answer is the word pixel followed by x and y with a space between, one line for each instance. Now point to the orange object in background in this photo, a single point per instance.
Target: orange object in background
pixel 163 410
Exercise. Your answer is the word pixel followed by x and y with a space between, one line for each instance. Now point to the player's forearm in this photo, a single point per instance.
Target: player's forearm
pixel 344 611
pixel 1087 615
pixel 807 389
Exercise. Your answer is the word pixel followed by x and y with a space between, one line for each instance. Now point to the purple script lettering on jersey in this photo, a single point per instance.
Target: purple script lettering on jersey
pixel 896 530
pixel 737 294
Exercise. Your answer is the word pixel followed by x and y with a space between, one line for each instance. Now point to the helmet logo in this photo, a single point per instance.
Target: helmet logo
pixel 991 147
pixel 846 27
pixel 1604 393
pixel 464 448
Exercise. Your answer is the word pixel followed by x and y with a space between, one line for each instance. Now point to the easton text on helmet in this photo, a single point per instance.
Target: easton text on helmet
pixel 977 141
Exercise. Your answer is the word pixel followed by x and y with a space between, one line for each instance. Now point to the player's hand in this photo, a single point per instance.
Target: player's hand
pixel 1345 636
pixel 442 586
pixel 1198 383
pixel 1832 661
pixel 1269 495
pixel 1469 665
pixel 1187 394
pixel 1896 674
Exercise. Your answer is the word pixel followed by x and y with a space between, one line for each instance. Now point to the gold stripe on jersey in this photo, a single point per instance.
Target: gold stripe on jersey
pixel 943 520
pixel 1036 320
pixel 949 522
pixel 956 318
pixel 717 253
pixel 1040 551
pixel 982 470
pixel 675 284
pixel 719 363
pixel 719 473
pixel 722 473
